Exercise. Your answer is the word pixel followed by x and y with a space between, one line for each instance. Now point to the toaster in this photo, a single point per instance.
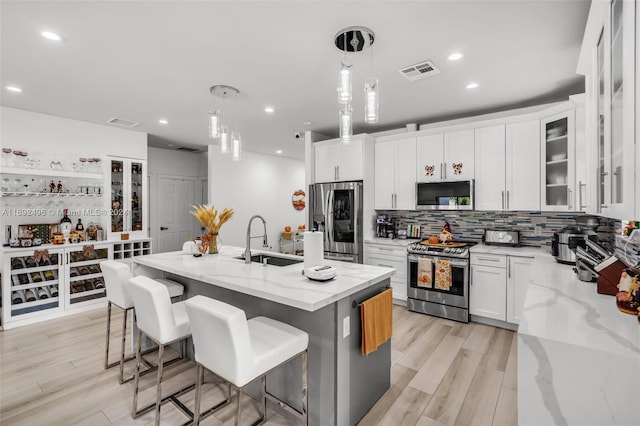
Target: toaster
pixel 501 238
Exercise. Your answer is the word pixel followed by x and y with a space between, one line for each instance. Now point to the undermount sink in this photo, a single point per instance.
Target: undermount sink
pixel 272 260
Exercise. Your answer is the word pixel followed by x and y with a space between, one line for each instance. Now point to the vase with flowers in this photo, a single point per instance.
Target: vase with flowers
pixel 209 218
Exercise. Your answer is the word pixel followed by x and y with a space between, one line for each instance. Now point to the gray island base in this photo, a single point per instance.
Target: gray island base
pixel 342 384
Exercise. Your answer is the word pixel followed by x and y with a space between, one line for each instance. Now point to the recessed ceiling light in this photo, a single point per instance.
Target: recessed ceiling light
pixel 472 85
pixel 14 89
pixel 308 123
pixel 455 56
pixel 50 35
pixel 279 151
pixel 163 121
pixel 269 110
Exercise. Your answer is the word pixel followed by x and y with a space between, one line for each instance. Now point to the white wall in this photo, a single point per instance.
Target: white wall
pixel 47 137
pixel 178 164
pixel 258 184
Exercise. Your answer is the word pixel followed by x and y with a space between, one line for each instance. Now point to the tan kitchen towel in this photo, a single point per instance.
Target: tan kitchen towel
pixel 425 273
pixel 443 274
pixel 376 316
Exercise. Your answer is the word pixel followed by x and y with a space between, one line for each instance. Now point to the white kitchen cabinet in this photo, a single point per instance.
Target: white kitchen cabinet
pixel 487 289
pixel 395 183
pixel 390 256
pixel 557 153
pixel 336 161
pixel 445 156
pixel 498 286
pixel 609 61
pixel 128 191
pixel 506 167
pixel 518 276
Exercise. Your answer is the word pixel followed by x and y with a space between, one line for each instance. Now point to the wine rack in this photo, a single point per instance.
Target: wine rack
pixel 86 282
pixel 34 283
pixel 129 249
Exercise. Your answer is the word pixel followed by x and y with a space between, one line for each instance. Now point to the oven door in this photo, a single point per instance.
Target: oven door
pixel 456 295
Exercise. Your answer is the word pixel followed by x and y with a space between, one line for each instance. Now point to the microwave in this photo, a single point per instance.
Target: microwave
pixel 448 195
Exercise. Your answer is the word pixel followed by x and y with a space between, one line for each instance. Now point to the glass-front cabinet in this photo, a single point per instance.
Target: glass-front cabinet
pixel 128 195
pixel 558 162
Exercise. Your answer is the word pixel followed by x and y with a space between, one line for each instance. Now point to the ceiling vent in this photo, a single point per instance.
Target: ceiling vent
pixel 123 123
pixel 187 149
pixel 419 71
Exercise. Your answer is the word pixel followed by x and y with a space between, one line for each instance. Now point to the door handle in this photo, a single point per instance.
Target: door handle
pixel 163 228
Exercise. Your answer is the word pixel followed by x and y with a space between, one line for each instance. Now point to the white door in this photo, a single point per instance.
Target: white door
pixel 177 224
pixel 523 170
pixel 490 166
pixel 405 187
pixel 384 175
pixel 518 277
pixel 458 155
pixel 429 158
pixel 487 292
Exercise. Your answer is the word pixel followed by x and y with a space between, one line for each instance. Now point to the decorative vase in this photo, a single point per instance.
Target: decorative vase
pixel 210 240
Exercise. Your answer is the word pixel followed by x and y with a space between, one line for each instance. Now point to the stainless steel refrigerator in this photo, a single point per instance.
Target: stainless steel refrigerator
pixel 336 210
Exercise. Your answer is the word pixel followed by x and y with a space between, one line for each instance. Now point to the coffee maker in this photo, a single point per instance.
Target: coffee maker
pixel 384 226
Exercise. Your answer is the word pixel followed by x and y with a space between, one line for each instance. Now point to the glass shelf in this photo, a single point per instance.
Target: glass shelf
pixel 47 194
pixel 50 172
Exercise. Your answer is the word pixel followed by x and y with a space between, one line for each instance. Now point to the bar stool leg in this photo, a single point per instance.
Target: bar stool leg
pixel 263 397
pixel 159 387
pixel 136 379
pixel 106 350
pixel 305 373
pixel 124 338
pixel 196 409
pixel 239 394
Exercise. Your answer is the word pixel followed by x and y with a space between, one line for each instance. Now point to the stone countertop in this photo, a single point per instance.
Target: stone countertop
pixel 523 251
pixel 560 307
pixel 281 284
pixel 392 241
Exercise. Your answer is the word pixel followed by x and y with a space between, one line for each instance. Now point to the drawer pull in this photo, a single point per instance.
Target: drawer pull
pixel 489 259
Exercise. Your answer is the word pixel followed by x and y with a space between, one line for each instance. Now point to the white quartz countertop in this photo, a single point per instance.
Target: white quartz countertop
pixel 392 241
pixel 281 284
pixel 523 251
pixel 561 308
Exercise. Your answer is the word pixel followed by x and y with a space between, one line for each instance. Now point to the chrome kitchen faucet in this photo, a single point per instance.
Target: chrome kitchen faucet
pixel 247 250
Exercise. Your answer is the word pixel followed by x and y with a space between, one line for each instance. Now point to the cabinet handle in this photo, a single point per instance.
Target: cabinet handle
pixel 507 199
pixel 386 266
pixel 508 269
pixel 580 186
pixel 441 175
pixel 445 170
pixel 489 259
pixel 569 203
pixel 502 199
pixel 385 249
pixel 335 172
pixel 395 200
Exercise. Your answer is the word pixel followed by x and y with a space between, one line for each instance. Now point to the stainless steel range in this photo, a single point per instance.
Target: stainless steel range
pixel 438 279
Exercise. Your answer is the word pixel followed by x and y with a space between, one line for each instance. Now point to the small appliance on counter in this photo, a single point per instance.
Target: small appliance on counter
pixel 384 227
pixel 565 241
pixel 320 273
pixel 501 238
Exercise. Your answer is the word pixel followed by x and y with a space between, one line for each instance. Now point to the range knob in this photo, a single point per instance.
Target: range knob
pixel 447 250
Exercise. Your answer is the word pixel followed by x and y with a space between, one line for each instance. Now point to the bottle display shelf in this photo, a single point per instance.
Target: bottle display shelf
pixel 47 194
pixel 50 173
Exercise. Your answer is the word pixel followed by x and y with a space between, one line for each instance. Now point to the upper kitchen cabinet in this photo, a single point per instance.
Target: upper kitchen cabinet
pixel 395 183
pixel 608 60
pixel 506 166
pixel 337 162
pixel 558 161
pixel 128 194
pixel 445 156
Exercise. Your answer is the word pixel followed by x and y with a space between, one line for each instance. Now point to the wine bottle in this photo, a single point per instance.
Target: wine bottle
pixel 30 295
pixel 36 277
pixel 15 280
pixel 17 297
pixel 48 275
pixel 65 224
pixel 23 278
pixel 98 283
pixel 17 263
pixel 43 293
pixel 79 226
pixel 31 262
pixel 53 290
pixel 73 272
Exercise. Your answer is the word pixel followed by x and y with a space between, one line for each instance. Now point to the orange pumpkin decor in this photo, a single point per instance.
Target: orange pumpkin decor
pixel 287 229
pixel 297 199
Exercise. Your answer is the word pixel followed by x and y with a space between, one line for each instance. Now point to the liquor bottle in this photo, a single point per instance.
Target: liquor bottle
pixel 43 293
pixel 30 295
pixel 36 277
pixel 48 275
pixel 17 263
pixel 88 285
pixel 53 289
pixel 23 278
pixel 65 224
pixel 17 297
pixel 79 226
pixel 134 201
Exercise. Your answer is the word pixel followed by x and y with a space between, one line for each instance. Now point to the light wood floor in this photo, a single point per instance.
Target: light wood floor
pixel 443 373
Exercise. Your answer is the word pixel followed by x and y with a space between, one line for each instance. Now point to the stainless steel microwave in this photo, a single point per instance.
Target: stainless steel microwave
pixel 450 195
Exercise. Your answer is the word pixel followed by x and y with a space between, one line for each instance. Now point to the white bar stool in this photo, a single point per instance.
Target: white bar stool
pixel 164 323
pixel 116 278
pixel 242 351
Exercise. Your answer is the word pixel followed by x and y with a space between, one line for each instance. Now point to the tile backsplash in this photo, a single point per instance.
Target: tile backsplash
pixel 470 225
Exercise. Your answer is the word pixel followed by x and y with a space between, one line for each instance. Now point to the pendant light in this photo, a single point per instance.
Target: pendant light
pixel 235 137
pixel 354 39
pixel 218 128
pixel 371 96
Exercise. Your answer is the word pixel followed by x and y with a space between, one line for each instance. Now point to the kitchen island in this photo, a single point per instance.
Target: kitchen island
pixel 342 384
pixel 578 356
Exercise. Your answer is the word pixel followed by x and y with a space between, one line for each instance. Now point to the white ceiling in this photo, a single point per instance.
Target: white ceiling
pixel 146 60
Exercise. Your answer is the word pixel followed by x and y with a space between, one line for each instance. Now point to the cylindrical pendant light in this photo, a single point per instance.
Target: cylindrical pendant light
pixel 218 127
pixel 344 90
pixel 371 100
pixel 224 140
pixel 346 124
pixel 214 124
pixel 236 146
